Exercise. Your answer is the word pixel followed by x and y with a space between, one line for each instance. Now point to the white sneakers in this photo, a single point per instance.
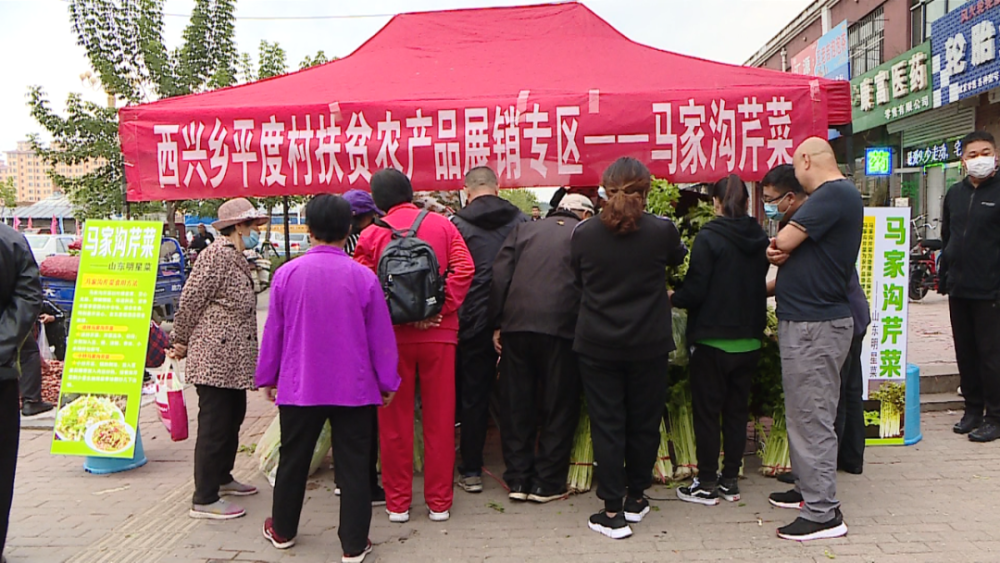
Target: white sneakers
pixel 404 517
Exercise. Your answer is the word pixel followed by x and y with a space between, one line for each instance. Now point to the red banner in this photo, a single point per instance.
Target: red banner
pixel 529 141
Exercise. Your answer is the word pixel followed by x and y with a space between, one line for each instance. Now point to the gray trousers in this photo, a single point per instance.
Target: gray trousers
pixel 812 354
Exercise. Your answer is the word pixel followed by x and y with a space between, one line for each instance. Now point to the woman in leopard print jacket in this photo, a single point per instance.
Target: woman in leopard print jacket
pixel 216 329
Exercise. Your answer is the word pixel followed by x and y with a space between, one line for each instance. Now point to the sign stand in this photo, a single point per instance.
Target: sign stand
pixel 108 465
pixel 911 423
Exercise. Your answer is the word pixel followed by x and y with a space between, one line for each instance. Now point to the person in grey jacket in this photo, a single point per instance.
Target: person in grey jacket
pixel 20 305
pixel 533 306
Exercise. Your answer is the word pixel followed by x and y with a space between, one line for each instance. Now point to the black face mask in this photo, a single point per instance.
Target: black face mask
pixel 356 225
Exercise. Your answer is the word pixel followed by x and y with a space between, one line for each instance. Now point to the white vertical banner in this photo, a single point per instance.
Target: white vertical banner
pixel 884 270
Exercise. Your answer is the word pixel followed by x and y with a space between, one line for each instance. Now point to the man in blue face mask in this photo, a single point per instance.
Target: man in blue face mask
pixel 783 195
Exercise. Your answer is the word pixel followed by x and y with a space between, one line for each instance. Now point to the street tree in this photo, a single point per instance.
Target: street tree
pixel 124 43
pixel 8 194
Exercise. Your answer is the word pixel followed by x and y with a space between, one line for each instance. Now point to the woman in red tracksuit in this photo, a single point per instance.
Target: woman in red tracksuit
pixel 428 348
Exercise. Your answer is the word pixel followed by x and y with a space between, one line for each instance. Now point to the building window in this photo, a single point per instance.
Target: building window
pixel 866 39
pixel 923 14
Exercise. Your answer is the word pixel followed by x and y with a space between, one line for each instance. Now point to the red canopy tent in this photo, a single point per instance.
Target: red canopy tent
pixel 546 95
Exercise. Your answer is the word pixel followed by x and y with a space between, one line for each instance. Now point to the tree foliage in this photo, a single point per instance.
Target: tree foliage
pixel 319 59
pixel 124 43
pixel 8 193
pixel 524 199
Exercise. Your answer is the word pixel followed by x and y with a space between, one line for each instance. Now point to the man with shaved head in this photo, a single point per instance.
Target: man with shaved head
pixel 817 251
pixel 484 222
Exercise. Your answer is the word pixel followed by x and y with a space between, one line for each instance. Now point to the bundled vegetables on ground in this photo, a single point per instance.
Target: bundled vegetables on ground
pixel 767 399
pixel 270 445
pixel 663 471
pixel 892 397
pixel 581 457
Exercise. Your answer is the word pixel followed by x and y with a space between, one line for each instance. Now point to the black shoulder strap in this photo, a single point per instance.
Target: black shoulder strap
pixel 416 223
pixel 403 234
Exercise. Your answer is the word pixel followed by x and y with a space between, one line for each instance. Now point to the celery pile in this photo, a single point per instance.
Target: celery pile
pixel 581 458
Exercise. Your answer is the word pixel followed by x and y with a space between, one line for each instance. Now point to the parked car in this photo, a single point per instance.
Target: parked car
pixel 43 246
pixel 299 243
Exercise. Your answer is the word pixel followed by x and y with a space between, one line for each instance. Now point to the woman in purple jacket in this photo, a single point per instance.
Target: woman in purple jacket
pixel 314 378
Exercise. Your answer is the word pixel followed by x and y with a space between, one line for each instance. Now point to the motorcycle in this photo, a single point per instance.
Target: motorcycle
pixel 923 263
pixel 261 270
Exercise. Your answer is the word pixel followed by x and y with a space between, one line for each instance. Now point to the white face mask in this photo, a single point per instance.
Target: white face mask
pixel 981 166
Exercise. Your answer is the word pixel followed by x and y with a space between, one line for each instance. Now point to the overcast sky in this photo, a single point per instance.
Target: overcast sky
pixel 39 47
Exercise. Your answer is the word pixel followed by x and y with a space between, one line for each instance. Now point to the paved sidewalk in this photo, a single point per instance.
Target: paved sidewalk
pixel 930 344
pixel 933 502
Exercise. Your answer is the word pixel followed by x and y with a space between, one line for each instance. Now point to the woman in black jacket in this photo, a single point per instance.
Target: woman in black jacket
pixel 623 337
pixel 725 293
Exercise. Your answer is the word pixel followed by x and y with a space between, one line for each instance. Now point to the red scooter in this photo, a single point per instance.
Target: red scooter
pixel 923 263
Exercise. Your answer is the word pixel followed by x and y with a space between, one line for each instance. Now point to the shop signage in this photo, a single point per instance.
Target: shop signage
pixel 894 90
pixel 827 57
pixel 878 161
pixel 937 153
pixel 965 52
pixel 102 378
pixel 831 54
pixel 804 62
pixel 883 269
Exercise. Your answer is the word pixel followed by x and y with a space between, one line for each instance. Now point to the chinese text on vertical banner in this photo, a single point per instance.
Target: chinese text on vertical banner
pixel 102 378
pixel 883 266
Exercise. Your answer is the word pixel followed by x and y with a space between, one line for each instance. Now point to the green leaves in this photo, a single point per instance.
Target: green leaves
pixel 522 198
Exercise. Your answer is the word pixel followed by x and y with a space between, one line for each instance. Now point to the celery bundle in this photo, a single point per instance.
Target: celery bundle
pixel 681 417
pixel 774 455
pixel 581 458
pixel 663 471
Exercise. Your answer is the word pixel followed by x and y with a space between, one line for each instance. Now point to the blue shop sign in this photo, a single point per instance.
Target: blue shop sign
pixel 964 52
pixel 878 161
pixel 832 59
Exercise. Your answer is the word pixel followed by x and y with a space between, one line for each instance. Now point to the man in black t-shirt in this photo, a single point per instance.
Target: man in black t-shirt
pixel 819 248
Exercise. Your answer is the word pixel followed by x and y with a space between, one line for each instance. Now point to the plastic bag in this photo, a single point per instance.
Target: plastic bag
pixel 43 345
pixel 60 267
pixel 170 402
pixel 269 447
pixel 678 320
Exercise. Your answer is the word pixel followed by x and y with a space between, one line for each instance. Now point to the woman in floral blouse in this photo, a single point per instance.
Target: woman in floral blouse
pixel 216 329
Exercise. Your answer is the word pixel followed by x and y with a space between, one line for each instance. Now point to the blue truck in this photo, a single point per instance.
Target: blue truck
pixel 169 283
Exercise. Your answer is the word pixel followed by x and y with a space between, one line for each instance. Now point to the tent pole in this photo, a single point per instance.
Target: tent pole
pixel 128 210
pixel 288 242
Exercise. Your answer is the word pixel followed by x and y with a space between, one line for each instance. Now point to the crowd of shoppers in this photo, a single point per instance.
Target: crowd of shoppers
pixel 576 301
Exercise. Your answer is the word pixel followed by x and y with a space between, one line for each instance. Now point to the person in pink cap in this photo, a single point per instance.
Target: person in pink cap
pixel 215 328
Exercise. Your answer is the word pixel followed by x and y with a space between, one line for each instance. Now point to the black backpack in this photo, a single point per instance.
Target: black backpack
pixel 410 275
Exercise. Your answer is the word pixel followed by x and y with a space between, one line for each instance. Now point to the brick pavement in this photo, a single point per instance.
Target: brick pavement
pixel 930 344
pixel 933 502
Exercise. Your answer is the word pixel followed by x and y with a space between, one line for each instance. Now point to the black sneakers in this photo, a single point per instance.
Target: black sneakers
pixel 700 493
pixel 789 499
pixel 988 432
pixel 615 528
pixel 541 496
pixel 787 478
pixel 806 530
pixel 970 421
pixel 729 489
pixel 518 492
pixel 636 509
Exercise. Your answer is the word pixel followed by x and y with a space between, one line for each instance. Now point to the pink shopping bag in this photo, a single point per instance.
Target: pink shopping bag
pixel 170 401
